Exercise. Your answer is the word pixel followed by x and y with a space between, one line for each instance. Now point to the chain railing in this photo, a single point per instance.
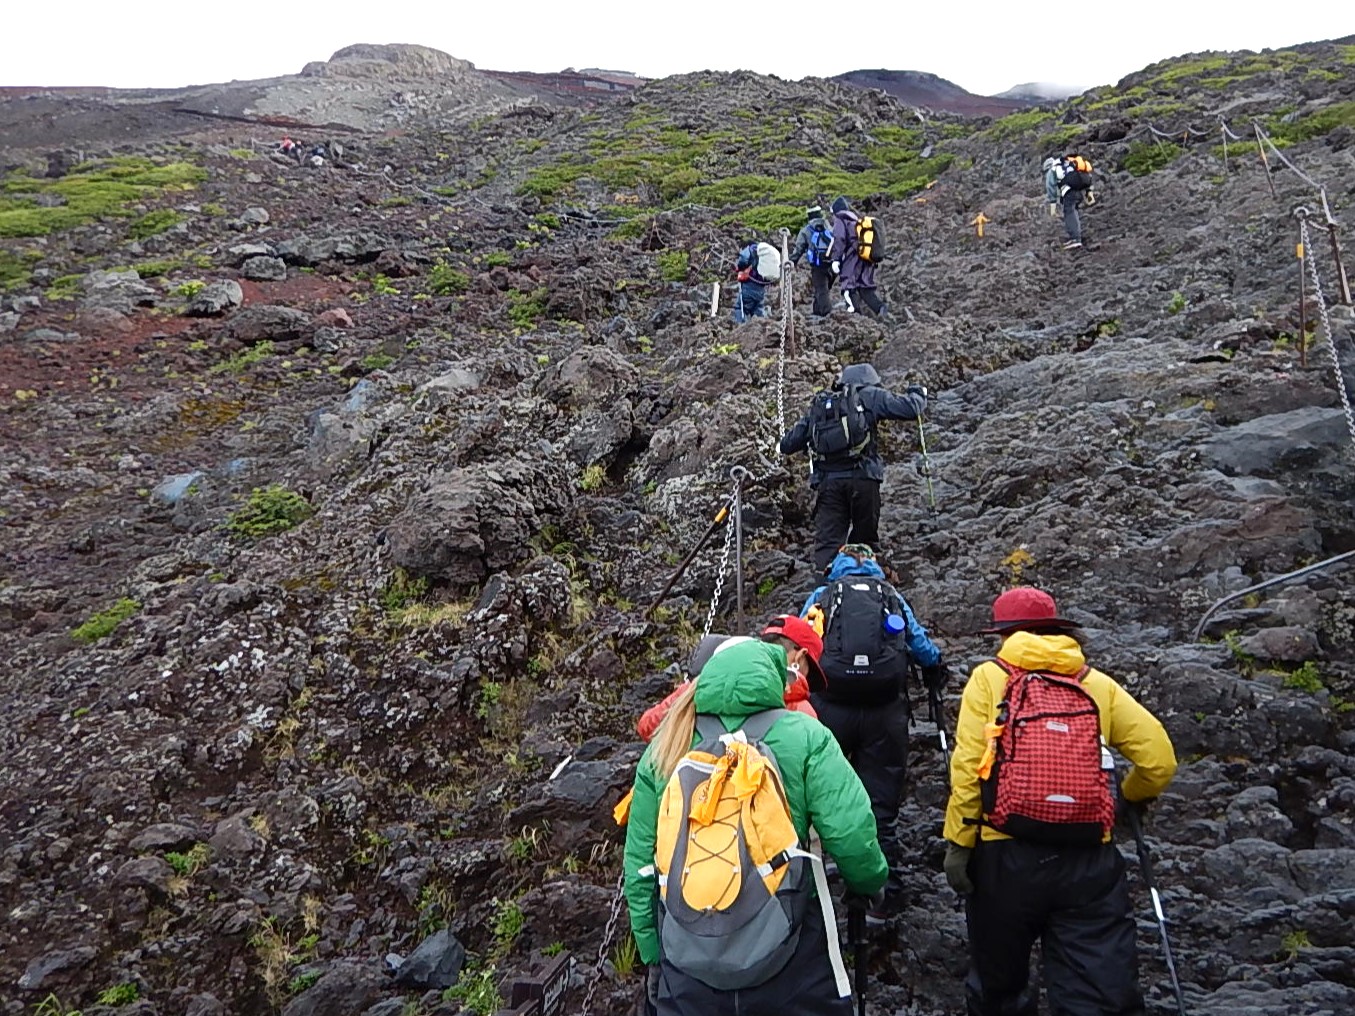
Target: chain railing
pixel 1341 388
pixel 608 933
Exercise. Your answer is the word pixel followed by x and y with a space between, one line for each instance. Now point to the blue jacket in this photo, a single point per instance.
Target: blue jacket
pixel 922 649
pixel 748 259
pixel 880 404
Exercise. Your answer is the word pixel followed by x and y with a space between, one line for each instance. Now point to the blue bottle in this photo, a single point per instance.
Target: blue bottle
pixel 894 624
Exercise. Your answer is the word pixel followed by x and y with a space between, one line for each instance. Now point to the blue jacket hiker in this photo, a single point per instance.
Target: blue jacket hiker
pixel 814 243
pixel 752 299
pixel 869 635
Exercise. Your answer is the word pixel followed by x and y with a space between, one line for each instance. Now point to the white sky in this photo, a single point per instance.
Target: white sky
pixel 982 45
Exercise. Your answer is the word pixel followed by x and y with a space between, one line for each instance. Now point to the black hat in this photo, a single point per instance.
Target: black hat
pixel 840 205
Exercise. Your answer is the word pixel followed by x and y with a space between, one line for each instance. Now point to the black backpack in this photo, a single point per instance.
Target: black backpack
pixel 864 663
pixel 839 429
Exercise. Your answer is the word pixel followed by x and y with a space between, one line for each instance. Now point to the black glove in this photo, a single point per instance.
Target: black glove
pixel 956 866
pixel 917 390
pixel 872 902
pixel 935 676
pixel 1123 808
pixel 652 985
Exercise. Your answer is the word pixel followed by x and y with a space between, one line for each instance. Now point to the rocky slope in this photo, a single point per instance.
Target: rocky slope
pixel 917 88
pixel 332 501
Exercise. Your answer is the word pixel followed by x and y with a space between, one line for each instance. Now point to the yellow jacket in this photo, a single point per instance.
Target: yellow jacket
pixel 1127 727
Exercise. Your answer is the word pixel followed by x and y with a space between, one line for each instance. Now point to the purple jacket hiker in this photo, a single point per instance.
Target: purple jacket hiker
pixel 857 277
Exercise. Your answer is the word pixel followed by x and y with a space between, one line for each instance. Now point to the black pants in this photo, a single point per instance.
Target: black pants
pixel 865 299
pixel 1072 223
pixel 1075 901
pixel 847 511
pixel 805 987
pixel 875 741
pixel 822 278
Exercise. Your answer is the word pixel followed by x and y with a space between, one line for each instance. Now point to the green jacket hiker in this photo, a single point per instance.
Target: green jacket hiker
pixel 821 788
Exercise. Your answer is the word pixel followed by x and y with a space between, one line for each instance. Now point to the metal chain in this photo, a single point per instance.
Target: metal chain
pixel 608 933
pixel 1326 325
pixel 724 562
pixel 787 294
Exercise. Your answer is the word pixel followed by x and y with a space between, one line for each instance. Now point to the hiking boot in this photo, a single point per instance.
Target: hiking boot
pixel 1071 244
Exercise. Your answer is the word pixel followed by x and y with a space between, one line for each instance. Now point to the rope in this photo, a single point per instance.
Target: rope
pixel 1326 326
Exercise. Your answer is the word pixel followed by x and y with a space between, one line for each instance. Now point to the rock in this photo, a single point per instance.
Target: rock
pixel 1285 644
pixel 151 873
pixel 447 389
pixel 165 836
pixel 1271 444
pixel 267 322
pixel 335 317
pixel 37 971
pixel 1256 813
pixel 119 290
pixel 103 321
pixel 345 989
pixel 289 813
pixel 171 490
pixel 436 963
pixel 216 298
pixel 390 1007
pixel 234 838
pixel 309 251
pixel 327 339
pixel 264 269
pixel 254 216
pixel 243 252
pixel 51 335
pixel 9 321
pixel 204 1005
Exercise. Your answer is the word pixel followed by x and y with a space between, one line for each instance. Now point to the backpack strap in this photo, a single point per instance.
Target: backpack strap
pixel 755 727
pixel 709 727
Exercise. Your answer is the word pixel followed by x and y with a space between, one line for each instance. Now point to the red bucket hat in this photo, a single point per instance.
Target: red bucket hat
pixel 802 633
pixel 1026 607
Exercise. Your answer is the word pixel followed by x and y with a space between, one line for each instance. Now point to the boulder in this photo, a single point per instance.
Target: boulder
pixel 254 216
pixel 38 970
pixel 345 989
pixel 151 873
pixel 309 251
pixel 216 298
pixel 435 964
pixel 1285 644
pixel 1273 444
pixel 173 489
pixel 264 269
pixel 165 836
pixel 267 323
pixel 121 290
pixel 243 252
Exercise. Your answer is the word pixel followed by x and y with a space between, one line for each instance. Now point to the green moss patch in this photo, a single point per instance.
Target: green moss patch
pixel 93 190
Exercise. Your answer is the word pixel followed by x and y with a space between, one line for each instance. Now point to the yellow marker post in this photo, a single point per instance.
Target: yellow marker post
pixel 979 221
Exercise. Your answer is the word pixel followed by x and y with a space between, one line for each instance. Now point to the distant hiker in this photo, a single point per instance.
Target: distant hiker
pixel 291 149
pixel 803 648
pixel 1030 834
pixel 839 432
pixel 722 897
pixel 1067 182
pixel 858 246
pixel 814 243
pixel 870 634
pixel 757 267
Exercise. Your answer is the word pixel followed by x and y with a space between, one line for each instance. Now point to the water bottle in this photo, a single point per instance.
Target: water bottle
pixel 894 624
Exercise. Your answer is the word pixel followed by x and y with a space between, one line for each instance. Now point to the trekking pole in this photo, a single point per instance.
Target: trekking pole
pixel 926 463
pixel 1146 865
pixel 715 524
pixel 738 474
pixel 856 938
pixel 937 715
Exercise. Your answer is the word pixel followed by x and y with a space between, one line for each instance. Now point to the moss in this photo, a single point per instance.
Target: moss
pixel 237 363
pixel 1145 157
pixel 1176 71
pixel 673 265
pixel 152 269
pixel 766 218
pixel 444 280
pixel 91 191
pixel 102 624
pixel 155 222
pixel 14 271
pixel 1314 125
pixel 1014 125
pixel 526 309
pixel 64 287
pixel 269 510
pixel 498 259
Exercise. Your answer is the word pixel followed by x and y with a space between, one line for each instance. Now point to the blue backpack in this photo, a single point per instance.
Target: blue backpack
pixel 820 242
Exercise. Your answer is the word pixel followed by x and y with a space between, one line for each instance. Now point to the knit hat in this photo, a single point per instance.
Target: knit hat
pixel 814 212
pixel 1026 607
pixel 840 205
pixel 802 633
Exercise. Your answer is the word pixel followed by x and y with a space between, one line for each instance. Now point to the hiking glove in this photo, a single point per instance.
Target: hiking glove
pixel 652 985
pixel 1123 808
pixel 957 868
pixel 917 390
pixel 935 676
pixel 837 267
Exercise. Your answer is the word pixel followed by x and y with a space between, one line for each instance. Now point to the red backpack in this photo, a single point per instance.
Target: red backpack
pixel 1051 780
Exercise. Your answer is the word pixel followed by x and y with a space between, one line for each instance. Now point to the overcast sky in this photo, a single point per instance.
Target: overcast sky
pixel 981 45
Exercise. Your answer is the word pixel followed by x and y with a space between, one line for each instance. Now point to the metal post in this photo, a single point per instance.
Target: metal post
pixel 1336 251
pixel 1303 304
pixel 787 291
pixel 1223 129
pixel 738 474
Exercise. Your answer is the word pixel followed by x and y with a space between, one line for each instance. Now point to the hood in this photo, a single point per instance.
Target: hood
pixel 1058 654
pixel 844 565
pixel 744 679
pixel 859 374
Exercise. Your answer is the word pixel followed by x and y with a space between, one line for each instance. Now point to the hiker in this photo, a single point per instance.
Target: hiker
pixel 291 149
pixel 797 637
pixel 870 634
pixel 1030 847
pixel 839 432
pixel 814 243
pixel 757 267
pixel 1067 182
pixel 858 246
pixel 715 943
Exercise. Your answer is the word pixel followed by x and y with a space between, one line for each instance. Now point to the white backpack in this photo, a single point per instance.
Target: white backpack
pixel 768 267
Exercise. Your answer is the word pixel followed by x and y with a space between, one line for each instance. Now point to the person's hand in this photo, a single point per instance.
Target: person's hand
pixel 956 866
pixel 652 985
pixel 917 390
pixel 935 676
pixel 1053 209
pixel 873 901
pixel 837 267
pixel 1124 808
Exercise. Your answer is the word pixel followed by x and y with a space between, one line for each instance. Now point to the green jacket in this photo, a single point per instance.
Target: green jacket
pixel 821 786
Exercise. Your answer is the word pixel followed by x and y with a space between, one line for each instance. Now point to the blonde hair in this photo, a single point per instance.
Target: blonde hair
pixel 673 739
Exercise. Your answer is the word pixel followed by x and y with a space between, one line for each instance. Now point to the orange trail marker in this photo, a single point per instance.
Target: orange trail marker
pixel 979 220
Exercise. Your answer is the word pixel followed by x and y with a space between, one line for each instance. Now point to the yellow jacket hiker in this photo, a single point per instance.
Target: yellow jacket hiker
pixel 1028 758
